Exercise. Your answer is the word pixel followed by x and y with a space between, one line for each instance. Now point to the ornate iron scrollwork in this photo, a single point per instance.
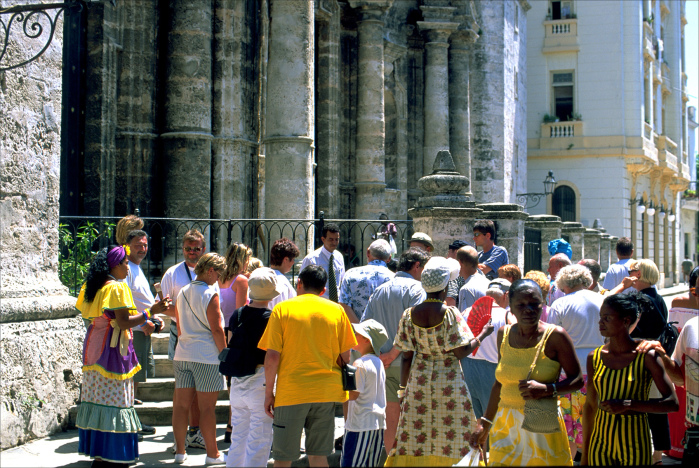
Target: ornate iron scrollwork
pixel 525 198
pixel 36 23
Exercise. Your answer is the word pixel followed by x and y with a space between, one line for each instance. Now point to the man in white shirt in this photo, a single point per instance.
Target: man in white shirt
pixel 556 262
pixel 137 242
pixel 619 270
pixel 330 238
pixel 476 284
pixel 281 259
pixel 174 279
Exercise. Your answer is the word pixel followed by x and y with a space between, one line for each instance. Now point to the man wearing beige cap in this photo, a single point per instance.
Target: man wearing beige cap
pixel 422 241
pixel 251 429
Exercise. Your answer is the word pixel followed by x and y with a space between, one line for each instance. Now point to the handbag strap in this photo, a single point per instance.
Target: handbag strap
pixel 186 269
pixel 194 313
pixel 539 347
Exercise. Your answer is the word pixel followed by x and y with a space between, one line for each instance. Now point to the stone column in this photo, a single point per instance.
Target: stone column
pixel 444 213
pixel 370 179
pixel 591 247
pixel 459 101
pixel 509 218
pixel 289 114
pixel 186 140
pixel 575 233
pixel 605 252
pixel 436 98
pixel 550 227
pixel 612 250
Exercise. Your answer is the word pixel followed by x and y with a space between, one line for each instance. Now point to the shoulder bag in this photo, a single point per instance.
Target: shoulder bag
pixel 541 416
pixel 349 378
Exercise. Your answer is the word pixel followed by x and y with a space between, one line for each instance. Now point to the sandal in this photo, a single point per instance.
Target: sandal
pixel 136 401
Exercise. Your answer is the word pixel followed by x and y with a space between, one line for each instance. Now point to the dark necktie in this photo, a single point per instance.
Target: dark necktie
pixel 332 284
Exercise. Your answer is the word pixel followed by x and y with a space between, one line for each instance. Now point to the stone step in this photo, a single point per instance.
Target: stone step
pixel 163 366
pixel 160 343
pixel 160 413
pixel 162 389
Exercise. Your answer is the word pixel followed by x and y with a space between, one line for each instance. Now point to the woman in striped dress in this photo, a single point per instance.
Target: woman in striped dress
pixel 615 420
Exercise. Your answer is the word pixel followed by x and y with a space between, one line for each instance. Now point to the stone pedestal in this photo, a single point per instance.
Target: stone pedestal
pixel 612 250
pixel 550 227
pixel 509 218
pixel 605 252
pixel 592 244
pixel 575 233
pixel 289 184
pixel 40 334
pixel 444 213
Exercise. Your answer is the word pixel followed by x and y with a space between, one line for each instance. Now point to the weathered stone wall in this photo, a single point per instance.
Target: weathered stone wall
pixel 40 349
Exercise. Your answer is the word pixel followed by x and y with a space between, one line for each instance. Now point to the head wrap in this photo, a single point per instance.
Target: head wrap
pixel 438 272
pixel 560 246
pixel 115 256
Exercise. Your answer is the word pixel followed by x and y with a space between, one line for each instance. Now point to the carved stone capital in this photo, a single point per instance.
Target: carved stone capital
pixel 371 9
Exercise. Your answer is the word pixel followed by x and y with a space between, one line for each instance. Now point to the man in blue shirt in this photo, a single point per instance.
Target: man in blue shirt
pixel 330 237
pixel 492 256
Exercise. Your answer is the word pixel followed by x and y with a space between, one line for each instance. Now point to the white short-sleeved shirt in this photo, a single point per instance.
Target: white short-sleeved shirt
pixel 322 257
pixel 174 279
pixel 284 288
pixel 475 287
pixel 687 353
pixel 196 343
pixel 368 412
pixel 616 273
pixel 578 314
pixel 140 289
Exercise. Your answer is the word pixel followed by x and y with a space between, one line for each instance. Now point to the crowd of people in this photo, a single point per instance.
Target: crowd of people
pixel 433 358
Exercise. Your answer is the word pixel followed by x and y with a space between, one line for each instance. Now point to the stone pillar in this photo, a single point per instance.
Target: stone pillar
pixel 591 247
pixel 550 228
pixel 459 110
pixel 289 116
pixel 605 252
pixel 370 180
pixel 444 213
pixel 575 233
pixel 436 98
pixel 41 335
pixel 186 139
pixel 509 219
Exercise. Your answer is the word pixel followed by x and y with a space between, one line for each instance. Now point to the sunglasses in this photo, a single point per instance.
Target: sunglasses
pixel 192 249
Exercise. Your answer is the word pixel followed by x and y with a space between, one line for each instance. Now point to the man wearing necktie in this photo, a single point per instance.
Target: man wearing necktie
pixel 330 237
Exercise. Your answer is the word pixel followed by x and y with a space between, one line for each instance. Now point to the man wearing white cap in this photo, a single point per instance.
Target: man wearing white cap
pixel 366 412
pixel 422 241
pixel 251 429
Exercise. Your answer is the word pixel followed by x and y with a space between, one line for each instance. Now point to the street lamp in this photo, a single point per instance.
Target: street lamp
pixel 549 186
pixel 661 213
pixel 641 207
pixel 651 209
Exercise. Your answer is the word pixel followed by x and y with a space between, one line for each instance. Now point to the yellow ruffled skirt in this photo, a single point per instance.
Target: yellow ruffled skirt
pixel 510 445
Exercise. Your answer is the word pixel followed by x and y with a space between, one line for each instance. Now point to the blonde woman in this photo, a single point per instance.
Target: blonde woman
pixel 234 292
pixel 125 225
pixel 253 264
pixel 201 339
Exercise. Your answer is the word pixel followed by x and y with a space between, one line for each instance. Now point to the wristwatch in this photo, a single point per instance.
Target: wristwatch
pixel 627 402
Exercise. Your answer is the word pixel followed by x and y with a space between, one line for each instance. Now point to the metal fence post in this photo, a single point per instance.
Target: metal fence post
pixel 319 229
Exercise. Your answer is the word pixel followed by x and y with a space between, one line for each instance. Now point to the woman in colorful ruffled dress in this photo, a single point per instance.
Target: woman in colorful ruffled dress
pixel 436 417
pixel 107 422
pixel 518 345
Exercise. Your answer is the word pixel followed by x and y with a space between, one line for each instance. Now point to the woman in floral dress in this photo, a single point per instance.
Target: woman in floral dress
pixel 436 417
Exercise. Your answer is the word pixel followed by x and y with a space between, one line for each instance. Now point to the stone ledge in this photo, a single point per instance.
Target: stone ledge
pixel 37 308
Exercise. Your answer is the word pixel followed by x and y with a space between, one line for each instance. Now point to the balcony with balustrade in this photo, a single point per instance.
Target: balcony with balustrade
pixel 561 36
pixel 667 153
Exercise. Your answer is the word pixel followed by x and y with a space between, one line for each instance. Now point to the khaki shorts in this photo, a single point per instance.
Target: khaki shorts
pixel 318 419
pixel 392 384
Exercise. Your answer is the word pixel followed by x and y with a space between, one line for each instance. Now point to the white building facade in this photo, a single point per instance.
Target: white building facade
pixel 607 113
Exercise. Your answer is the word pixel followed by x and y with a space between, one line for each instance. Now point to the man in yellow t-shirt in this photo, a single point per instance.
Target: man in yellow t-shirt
pixel 303 339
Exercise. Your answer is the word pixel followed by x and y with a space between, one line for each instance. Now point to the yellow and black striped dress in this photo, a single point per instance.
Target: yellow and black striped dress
pixel 620 439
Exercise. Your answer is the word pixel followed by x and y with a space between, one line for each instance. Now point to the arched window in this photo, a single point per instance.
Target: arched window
pixel 564 203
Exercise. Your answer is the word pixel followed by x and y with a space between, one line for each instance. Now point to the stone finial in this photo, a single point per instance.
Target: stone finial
pixel 444 187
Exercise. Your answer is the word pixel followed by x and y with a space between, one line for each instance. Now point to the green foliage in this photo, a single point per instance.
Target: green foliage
pixel 550 118
pixel 76 251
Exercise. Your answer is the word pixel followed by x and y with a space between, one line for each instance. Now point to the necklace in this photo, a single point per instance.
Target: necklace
pixel 433 300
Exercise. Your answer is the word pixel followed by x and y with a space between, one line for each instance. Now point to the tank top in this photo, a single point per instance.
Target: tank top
pixel 228 301
pixel 514 366
pixel 629 383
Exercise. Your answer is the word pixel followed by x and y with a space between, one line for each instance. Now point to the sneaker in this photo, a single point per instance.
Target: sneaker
pixel 146 429
pixel 173 448
pixel 180 458
pixel 216 461
pixel 195 440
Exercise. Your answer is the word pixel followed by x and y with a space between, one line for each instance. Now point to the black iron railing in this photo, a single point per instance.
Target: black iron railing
pixel 82 236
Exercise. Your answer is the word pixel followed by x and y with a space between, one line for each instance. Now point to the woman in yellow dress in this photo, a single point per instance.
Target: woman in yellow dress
pixel 510 443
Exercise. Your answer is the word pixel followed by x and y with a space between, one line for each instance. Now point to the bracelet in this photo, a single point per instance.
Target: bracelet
pixel 477 341
pixel 148 313
pixel 145 316
pixel 487 420
pixel 400 393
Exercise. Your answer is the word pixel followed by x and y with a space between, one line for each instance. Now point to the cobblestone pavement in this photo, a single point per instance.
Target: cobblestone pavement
pixel 61 450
